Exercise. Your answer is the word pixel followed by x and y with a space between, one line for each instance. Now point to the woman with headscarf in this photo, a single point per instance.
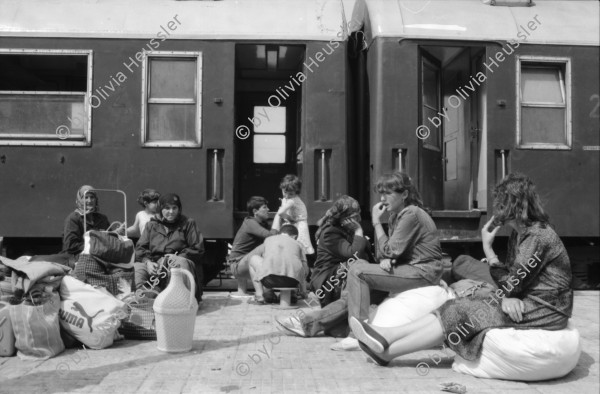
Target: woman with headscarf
pixel 170 240
pixel 88 210
pixel 339 239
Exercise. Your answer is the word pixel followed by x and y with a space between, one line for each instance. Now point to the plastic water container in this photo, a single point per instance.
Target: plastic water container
pixel 175 310
pixel 7 336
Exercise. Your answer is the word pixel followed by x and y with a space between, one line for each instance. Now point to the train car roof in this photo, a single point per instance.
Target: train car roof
pixel 560 22
pixel 226 19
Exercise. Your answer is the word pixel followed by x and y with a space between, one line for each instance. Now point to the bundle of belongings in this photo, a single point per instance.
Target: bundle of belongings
pixel 105 259
pixel 51 307
pixel 34 304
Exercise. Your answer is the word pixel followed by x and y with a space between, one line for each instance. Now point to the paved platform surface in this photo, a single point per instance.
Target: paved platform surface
pixel 237 348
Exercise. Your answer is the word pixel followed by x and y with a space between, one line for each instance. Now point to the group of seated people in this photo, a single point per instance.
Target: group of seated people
pixel 167 238
pixel 347 277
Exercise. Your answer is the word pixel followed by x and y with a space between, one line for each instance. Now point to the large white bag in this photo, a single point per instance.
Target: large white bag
pixel 410 305
pixel 527 355
pixel 89 314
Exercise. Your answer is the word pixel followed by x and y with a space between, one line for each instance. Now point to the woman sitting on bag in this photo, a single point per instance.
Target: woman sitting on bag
pixel 87 204
pixel 169 240
pixel 533 286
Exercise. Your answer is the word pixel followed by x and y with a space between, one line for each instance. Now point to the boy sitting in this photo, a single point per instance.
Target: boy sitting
pixel 279 262
pixel 252 233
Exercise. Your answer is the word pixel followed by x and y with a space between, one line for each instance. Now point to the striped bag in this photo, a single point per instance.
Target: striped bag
pixel 37 330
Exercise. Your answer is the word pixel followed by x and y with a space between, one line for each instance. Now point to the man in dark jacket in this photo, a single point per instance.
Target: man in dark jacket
pixel 252 233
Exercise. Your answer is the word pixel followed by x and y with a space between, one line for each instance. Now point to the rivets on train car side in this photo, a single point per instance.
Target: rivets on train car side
pixel 218 100
pixel 501 103
pixel 3 159
pixel 62 160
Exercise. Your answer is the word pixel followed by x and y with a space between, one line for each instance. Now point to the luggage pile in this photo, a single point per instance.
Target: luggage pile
pixel 46 306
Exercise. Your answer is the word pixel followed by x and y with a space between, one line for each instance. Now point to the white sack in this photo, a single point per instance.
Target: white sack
pixel 89 314
pixel 527 355
pixel 410 305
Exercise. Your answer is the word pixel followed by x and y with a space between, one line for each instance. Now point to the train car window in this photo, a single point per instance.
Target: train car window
pixel 171 110
pixel 269 135
pixel 43 97
pixel 172 78
pixel 543 104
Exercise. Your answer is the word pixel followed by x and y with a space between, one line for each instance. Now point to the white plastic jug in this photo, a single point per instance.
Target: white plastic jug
pixel 175 309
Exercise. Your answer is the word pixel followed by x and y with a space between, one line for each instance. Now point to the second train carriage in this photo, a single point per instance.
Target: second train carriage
pixel 459 93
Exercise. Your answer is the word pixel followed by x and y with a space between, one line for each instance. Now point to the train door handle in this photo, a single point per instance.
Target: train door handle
pixel 503 153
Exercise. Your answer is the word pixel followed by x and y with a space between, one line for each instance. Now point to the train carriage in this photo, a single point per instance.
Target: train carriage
pixel 459 93
pixel 216 101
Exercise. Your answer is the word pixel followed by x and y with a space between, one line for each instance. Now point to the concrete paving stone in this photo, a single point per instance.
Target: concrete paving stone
pixel 228 333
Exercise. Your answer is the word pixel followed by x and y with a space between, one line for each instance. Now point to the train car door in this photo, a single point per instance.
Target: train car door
pixel 430 152
pixel 266 121
pixel 268 154
pixel 450 99
pixel 456 89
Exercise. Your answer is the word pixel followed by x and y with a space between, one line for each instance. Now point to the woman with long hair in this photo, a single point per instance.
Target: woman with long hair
pixel 340 241
pixel 339 238
pixel 409 257
pixel 533 286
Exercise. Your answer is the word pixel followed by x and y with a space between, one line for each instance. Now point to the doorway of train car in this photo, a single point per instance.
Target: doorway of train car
pixel 267 108
pixel 450 102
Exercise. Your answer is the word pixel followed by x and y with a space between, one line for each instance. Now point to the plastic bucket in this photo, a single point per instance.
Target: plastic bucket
pixel 175 332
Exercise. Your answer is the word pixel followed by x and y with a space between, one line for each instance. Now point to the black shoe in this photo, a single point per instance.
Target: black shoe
pixel 366 334
pixel 379 361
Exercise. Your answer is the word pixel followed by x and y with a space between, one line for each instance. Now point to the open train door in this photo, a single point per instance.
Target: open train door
pixel 449 157
pixel 267 121
pixel 456 132
pixel 430 133
pixel 451 118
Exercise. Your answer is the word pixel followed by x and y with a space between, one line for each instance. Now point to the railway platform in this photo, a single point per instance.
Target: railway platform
pixel 238 349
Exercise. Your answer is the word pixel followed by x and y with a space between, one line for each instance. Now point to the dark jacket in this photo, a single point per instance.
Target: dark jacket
pixel 336 246
pixel 251 234
pixel 73 232
pixel 161 238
